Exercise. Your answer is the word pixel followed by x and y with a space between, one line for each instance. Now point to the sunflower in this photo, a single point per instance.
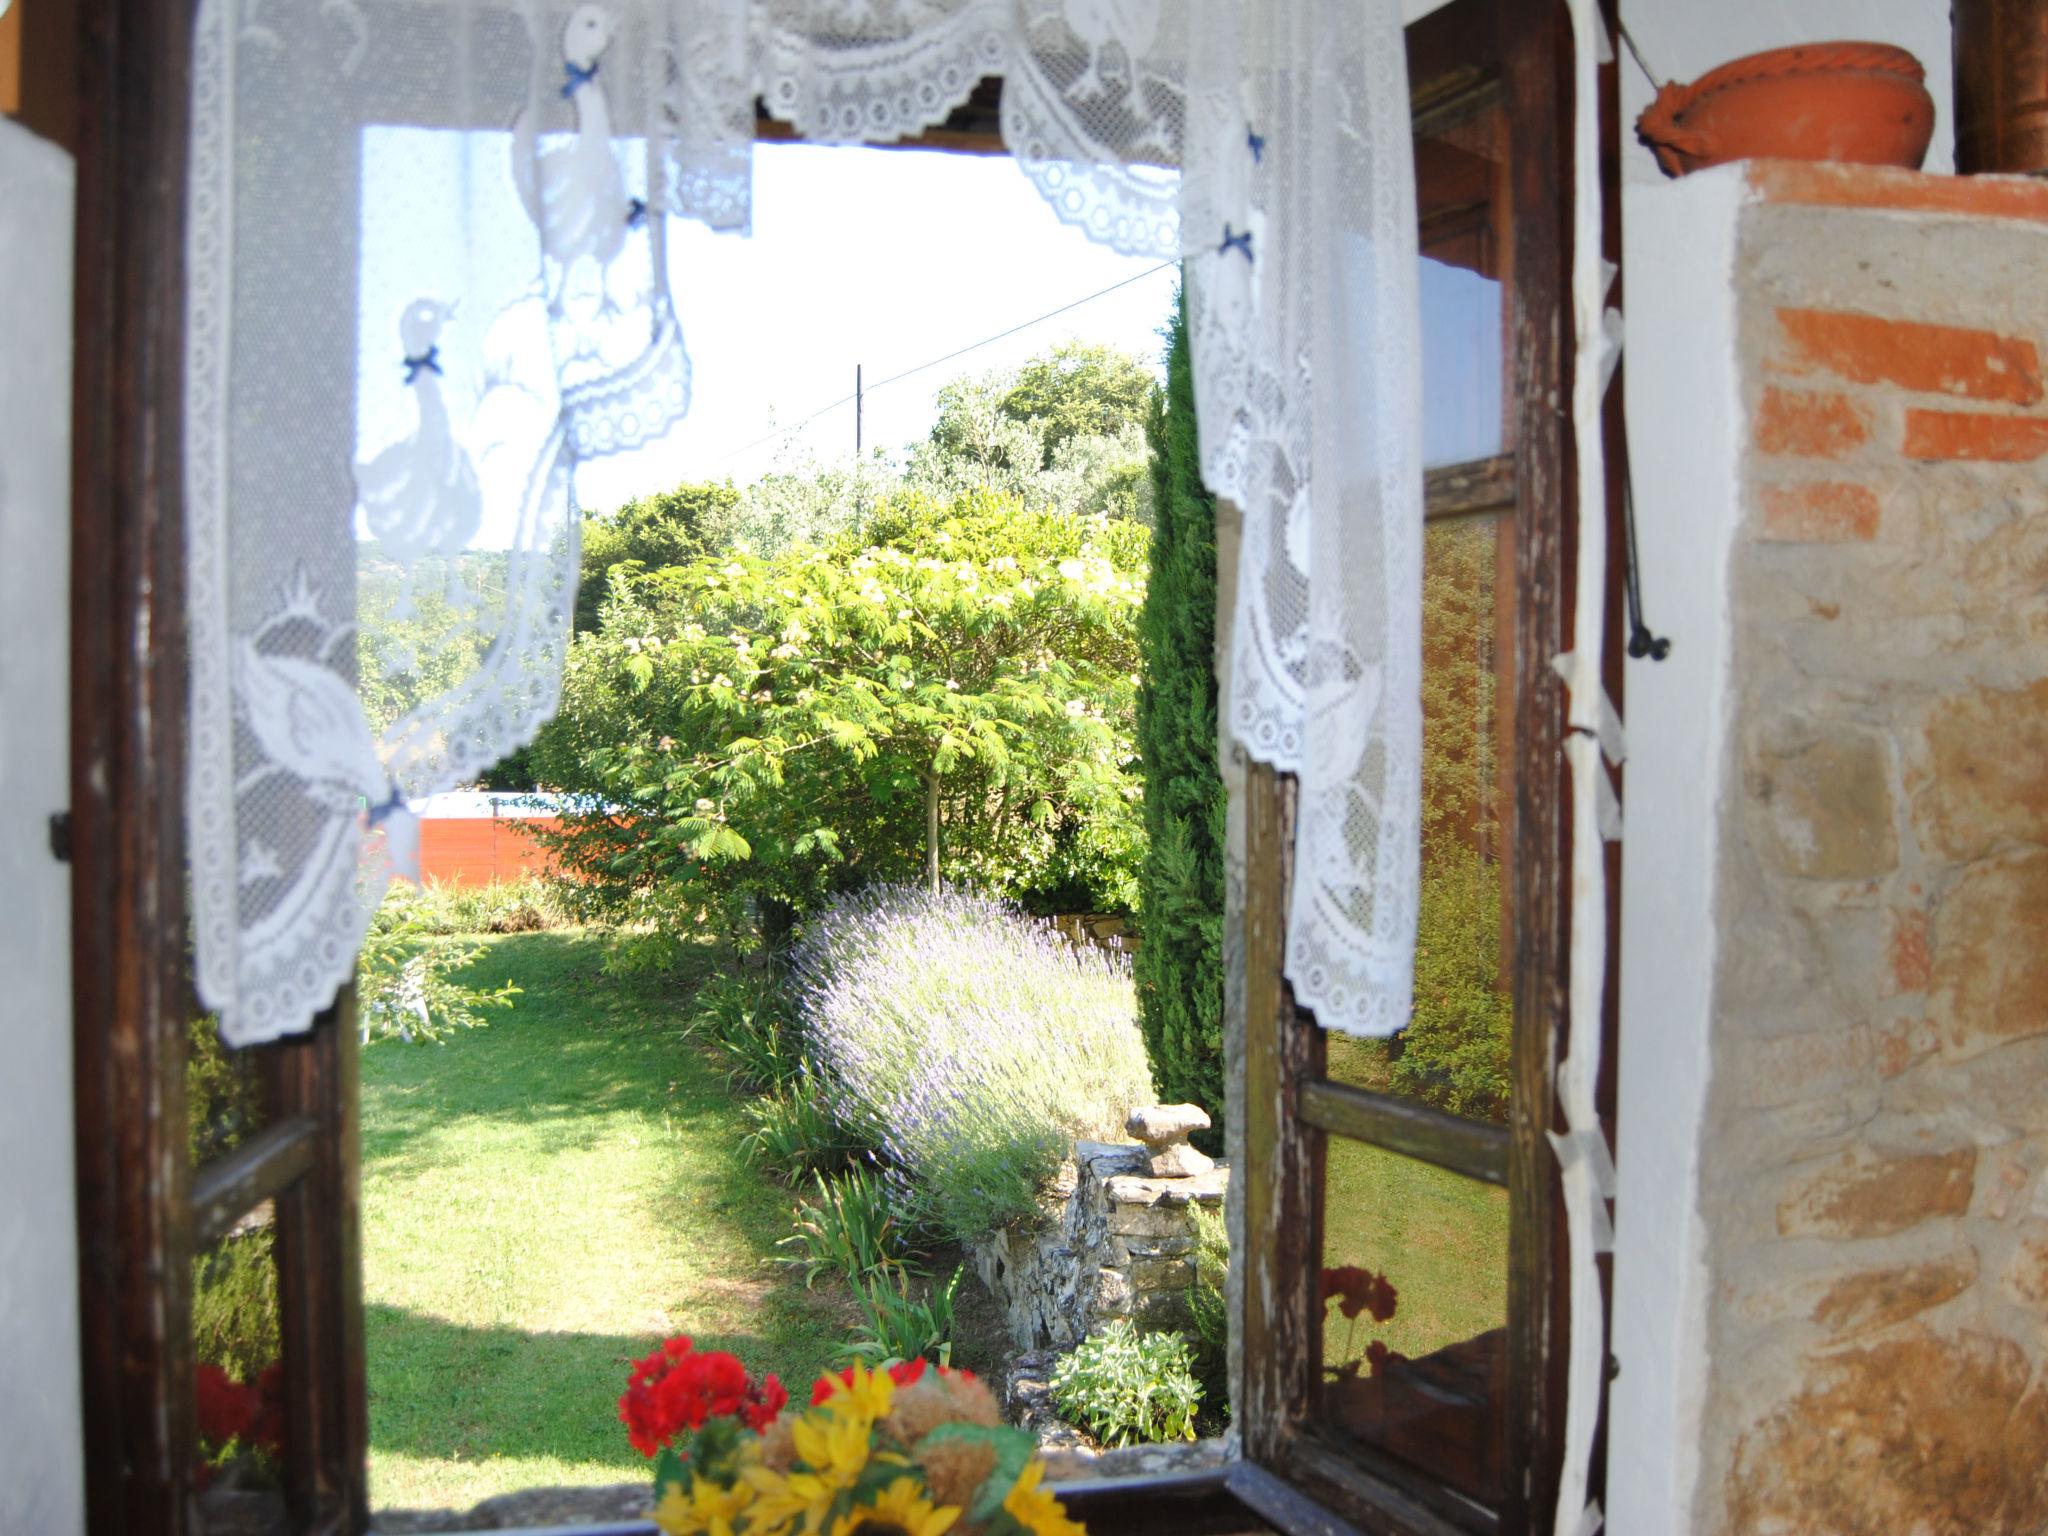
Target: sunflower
pixel 1035 1509
pixel 785 1501
pixel 834 1447
pixel 861 1394
pixel 706 1509
pixel 900 1509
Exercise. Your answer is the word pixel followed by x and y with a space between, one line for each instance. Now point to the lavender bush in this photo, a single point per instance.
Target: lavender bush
pixel 971 1044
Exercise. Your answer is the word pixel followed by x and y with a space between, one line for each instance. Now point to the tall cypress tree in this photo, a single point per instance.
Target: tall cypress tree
pixel 1179 963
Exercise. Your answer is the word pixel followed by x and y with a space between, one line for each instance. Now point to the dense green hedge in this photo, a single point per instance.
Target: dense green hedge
pixel 1179 964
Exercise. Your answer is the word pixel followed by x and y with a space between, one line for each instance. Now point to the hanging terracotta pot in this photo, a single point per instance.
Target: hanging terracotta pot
pixel 1860 102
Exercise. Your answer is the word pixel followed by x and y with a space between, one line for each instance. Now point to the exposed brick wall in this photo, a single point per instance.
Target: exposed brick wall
pixel 1875 1159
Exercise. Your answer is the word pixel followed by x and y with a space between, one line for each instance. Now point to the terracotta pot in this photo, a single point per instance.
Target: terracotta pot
pixel 1859 102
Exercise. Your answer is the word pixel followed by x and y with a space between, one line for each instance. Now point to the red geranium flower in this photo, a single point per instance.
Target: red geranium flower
pixel 677 1388
pixel 223 1406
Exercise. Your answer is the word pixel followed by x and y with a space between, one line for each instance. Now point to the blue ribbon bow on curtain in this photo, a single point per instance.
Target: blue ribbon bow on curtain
pixel 576 76
pixel 429 360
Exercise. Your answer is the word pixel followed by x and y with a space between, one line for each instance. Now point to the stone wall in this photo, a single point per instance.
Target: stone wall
pixel 1874 1181
pixel 1118 1241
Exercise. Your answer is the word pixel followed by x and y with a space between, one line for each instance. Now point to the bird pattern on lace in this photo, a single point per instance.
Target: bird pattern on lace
pixel 575 192
pixel 420 495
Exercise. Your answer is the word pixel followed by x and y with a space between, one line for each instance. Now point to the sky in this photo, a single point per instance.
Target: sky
pixel 887 259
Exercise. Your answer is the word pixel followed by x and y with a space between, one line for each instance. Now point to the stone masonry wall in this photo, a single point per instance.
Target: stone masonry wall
pixel 1875 1153
pixel 1118 1242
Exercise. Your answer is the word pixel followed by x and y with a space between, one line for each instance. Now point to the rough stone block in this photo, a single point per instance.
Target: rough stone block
pixel 1824 811
pixel 1131 1220
pixel 1881 1298
pixel 1162 1274
pixel 1820 512
pixel 1112 1292
pixel 1158 1247
pixel 1929 359
pixel 1987 783
pixel 1107 1159
pixel 1869 1194
pixel 1820 1063
pixel 1161 1125
pixel 1162 1309
pixel 1990 966
pixel 1939 1435
pixel 1180 1162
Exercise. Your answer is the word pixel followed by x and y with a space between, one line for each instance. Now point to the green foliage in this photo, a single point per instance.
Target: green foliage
pixel 1209 1305
pixel 780 728
pixel 649 534
pixel 1123 1386
pixel 848 1225
pixel 1456 1052
pixel 223 1096
pixel 1080 390
pixel 971 1043
pixel 743 1015
pixel 526 905
pixel 406 973
pixel 791 1132
pixel 900 1324
pixel 234 1305
pixel 1179 964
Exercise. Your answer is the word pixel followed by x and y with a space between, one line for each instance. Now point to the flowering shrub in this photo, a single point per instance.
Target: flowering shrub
pixel 908 1451
pixel 969 1043
pixel 1124 1386
pixel 240 1425
pixel 678 1389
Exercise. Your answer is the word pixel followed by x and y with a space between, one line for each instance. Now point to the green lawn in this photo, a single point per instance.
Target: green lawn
pixel 543 1200
pixel 1441 1238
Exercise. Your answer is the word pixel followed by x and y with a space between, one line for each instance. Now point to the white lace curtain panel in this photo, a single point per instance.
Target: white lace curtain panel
pixel 428 277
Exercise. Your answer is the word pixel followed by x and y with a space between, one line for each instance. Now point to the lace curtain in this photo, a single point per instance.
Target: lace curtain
pixel 428 278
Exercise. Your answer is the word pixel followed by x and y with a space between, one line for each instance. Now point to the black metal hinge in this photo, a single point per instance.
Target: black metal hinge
pixel 60 836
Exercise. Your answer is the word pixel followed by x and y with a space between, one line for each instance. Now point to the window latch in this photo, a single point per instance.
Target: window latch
pixel 60 836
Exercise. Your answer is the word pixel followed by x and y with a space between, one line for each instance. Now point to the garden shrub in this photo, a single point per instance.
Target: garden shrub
pixel 1209 1305
pixel 406 975
pixel 899 1324
pixel 744 1015
pixel 849 1225
pixel 969 1042
pixel 526 905
pixel 783 728
pixel 793 1132
pixel 1179 965
pixel 1124 1387
pixel 234 1305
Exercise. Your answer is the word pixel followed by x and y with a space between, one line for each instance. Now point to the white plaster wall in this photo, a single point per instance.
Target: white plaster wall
pixel 42 1488
pixel 1683 39
pixel 1684 414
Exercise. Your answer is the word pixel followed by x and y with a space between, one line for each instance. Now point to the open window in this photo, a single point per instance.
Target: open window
pixel 1448 1425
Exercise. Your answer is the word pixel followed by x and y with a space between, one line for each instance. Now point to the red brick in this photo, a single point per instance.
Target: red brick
pixel 1814 426
pixel 1972 435
pixel 1932 359
pixel 1823 512
pixel 1832 184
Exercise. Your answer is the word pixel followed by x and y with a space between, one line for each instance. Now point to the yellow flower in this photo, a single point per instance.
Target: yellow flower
pixel 705 1510
pixel 781 1500
pixel 834 1446
pixel 1035 1509
pixel 899 1507
pixel 866 1396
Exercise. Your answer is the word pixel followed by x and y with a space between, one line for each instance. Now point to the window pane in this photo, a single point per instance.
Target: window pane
pixel 224 1098
pixel 1414 1312
pixel 1455 1053
pixel 238 1417
pixel 1461 195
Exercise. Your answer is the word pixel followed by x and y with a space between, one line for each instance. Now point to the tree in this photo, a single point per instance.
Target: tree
pixel 1081 389
pixel 1179 964
pixel 949 697
pixel 650 532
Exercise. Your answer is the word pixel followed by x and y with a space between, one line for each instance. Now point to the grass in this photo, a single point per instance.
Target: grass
pixel 1440 1237
pixel 543 1200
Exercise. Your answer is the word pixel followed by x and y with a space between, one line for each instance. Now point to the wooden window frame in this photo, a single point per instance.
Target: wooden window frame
pixel 1292 1109
pixel 143 1212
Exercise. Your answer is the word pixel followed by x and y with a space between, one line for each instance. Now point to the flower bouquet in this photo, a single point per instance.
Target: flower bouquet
pixel 901 1451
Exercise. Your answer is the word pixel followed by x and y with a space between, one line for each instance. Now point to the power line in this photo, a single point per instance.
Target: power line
pixel 972 346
